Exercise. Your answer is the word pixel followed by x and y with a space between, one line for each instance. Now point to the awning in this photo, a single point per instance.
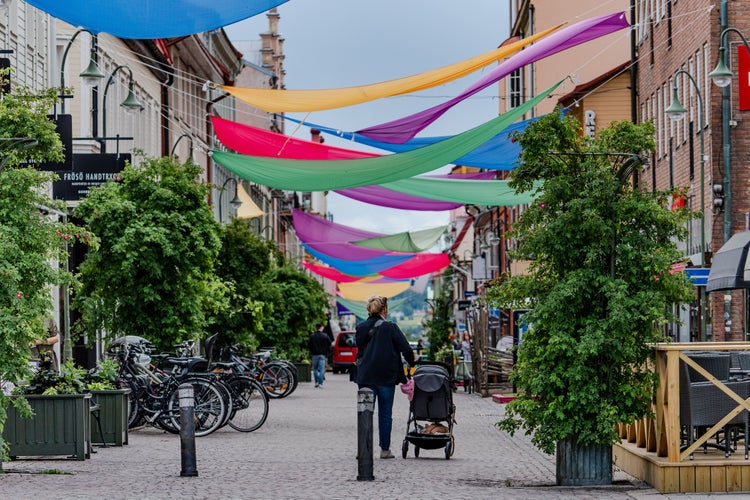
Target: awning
pixel 729 267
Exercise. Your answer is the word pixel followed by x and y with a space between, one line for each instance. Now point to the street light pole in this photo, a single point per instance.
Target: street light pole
pixel 676 111
pixel 235 202
pixel 722 77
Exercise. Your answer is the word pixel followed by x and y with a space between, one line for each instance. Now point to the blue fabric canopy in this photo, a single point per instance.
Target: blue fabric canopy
pixel 146 19
pixel 499 153
pixel 364 267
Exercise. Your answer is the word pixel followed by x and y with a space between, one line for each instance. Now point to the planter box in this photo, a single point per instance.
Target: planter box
pixel 579 465
pixel 113 417
pixel 304 374
pixel 59 426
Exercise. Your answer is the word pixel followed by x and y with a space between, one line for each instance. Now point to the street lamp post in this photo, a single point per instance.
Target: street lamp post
pixel 91 75
pixel 676 111
pixel 130 104
pixel 722 77
pixel 235 202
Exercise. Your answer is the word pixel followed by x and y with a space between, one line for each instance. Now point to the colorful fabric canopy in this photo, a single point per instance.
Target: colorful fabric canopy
pixel 250 140
pixel 493 193
pixel 359 308
pixel 361 267
pixel 280 101
pixel 499 153
pixel 408 241
pixel 362 290
pixel 248 209
pixel 331 273
pixel 333 239
pixel 147 19
pixel 419 265
pixel 403 129
pixel 323 175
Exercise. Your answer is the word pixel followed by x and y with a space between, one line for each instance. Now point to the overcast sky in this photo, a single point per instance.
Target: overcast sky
pixel 343 43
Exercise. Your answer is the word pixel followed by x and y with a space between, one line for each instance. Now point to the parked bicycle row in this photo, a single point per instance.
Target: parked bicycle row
pixel 233 390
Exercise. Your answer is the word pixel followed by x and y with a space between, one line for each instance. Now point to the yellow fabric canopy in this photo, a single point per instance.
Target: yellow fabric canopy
pixel 248 209
pixel 280 101
pixel 363 289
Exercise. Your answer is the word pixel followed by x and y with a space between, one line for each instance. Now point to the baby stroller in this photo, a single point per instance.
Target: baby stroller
pixel 431 411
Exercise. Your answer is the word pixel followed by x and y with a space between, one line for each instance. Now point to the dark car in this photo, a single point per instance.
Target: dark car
pixel 344 352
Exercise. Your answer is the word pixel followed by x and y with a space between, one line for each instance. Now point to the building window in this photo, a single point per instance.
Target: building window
pixel 515 89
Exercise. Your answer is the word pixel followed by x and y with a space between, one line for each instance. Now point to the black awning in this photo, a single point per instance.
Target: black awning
pixel 730 268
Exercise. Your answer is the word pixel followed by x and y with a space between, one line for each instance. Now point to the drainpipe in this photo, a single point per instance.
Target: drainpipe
pixel 165 140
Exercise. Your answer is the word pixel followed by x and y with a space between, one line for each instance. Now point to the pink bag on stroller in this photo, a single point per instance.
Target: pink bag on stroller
pixel 408 388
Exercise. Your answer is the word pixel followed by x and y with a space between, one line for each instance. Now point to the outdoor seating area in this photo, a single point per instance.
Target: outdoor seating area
pixel 697 440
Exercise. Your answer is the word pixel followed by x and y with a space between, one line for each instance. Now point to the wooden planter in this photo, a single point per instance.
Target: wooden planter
pixel 112 415
pixel 59 426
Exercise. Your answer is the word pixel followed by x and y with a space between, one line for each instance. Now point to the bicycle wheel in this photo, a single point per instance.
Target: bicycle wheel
pixel 209 410
pixel 278 381
pixel 249 404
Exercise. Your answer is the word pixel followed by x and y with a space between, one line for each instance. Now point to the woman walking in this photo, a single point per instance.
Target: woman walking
pixel 380 345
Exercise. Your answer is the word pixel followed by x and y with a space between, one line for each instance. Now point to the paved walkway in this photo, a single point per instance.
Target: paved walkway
pixel 307 449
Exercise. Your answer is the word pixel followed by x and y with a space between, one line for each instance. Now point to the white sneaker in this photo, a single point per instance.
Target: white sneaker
pixel 386 454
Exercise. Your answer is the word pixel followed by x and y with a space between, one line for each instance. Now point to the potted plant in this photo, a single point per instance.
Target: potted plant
pixel 597 292
pixel 109 416
pixel 52 415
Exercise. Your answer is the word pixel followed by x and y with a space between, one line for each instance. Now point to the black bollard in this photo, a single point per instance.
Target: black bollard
pixel 365 409
pixel 187 431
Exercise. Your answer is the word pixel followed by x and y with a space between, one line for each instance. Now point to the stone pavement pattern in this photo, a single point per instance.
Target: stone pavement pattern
pixel 307 450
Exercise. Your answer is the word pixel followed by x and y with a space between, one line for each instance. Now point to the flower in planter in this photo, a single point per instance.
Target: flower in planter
pixel 70 380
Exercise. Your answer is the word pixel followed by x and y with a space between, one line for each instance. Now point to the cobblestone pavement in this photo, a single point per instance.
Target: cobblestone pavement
pixel 307 449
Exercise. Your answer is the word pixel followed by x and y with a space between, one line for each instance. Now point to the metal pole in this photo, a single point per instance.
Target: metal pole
pixel 187 431
pixel 365 409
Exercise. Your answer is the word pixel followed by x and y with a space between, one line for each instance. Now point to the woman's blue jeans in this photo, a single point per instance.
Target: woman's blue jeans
pixel 384 397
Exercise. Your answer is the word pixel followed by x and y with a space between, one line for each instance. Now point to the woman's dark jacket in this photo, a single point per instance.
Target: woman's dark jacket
pixel 380 360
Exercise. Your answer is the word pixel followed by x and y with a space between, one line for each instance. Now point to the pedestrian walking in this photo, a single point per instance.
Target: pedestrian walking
pixel 320 346
pixel 380 345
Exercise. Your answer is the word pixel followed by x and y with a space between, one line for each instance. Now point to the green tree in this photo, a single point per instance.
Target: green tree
pixel 244 263
pixel 303 302
pixel 31 243
pixel 438 322
pixel 153 274
pixel 599 284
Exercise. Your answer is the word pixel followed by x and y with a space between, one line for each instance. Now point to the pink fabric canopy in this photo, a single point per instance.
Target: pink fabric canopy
pixel 403 129
pixel 420 264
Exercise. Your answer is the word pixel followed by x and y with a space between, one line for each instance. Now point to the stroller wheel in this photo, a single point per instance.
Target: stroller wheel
pixel 405 449
pixel 416 451
pixel 448 450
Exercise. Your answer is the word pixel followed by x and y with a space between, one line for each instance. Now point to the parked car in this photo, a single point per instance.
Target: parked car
pixel 344 352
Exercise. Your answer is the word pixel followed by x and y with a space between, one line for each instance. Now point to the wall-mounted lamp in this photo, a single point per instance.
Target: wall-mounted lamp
pixel 718 200
pixel 235 202
pixel 130 104
pixel 183 136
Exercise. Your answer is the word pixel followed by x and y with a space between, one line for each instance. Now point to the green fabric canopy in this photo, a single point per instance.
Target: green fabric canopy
pixel 408 242
pixel 323 175
pixel 492 193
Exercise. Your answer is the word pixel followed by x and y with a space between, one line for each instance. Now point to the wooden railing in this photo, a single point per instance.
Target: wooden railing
pixel 661 434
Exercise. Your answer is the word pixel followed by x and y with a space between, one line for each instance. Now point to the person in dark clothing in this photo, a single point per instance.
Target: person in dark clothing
pixel 319 345
pixel 380 345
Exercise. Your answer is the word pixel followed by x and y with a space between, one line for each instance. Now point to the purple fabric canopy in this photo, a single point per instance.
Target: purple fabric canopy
pixel 403 129
pixel 333 240
pixel 376 195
